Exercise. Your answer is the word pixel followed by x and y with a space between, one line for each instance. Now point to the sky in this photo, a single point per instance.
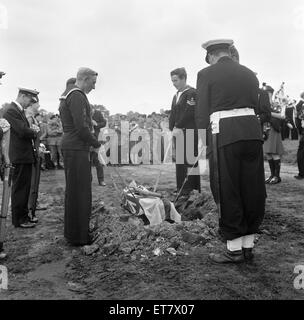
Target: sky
pixel 134 44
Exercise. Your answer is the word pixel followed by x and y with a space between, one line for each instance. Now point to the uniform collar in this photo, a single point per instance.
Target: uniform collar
pixel 19 106
pixel 70 90
pixel 186 88
pixel 225 59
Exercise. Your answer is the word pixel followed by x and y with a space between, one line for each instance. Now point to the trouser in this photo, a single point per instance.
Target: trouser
pixel 192 182
pixel 21 185
pixel 56 154
pixel 78 196
pixel 35 180
pixel 242 188
pixel 99 167
pixel 300 157
pixel 183 169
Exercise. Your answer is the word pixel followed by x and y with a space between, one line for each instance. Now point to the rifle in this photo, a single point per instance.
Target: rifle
pixel 7 179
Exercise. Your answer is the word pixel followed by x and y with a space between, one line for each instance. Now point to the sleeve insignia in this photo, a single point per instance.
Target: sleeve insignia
pixel 191 102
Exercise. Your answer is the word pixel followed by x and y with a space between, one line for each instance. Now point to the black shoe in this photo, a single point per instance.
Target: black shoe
pixel 102 183
pixel 60 167
pixel 227 257
pixel 248 255
pixel 34 219
pixel 275 180
pixel 298 177
pixel 27 225
pixel 268 179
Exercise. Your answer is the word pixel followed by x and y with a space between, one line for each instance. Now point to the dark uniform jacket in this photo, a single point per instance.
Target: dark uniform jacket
pixel 75 113
pixel 21 139
pixel 228 85
pixel 182 112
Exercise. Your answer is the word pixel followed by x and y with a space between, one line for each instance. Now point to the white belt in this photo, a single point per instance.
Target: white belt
pixel 217 116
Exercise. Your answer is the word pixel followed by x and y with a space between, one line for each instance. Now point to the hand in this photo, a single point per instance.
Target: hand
pixel 94 123
pixel 35 128
pixel 289 125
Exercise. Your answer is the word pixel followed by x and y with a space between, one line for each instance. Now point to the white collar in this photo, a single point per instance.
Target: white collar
pixel 19 105
pixel 179 93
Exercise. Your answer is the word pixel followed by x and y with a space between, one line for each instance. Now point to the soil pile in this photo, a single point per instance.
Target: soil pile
pixel 117 231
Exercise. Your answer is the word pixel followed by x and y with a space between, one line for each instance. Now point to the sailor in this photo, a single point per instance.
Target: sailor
pixel 21 153
pixel 300 127
pixel 227 94
pixel 181 123
pixel 75 113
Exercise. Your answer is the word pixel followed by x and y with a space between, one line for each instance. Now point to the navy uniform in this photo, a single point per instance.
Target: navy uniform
pixel 300 127
pixel 75 113
pixel 182 117
pixel 22 157
pixel 227 96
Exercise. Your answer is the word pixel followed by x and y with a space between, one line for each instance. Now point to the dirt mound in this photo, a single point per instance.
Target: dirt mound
pixel 118 232
pixel 195 206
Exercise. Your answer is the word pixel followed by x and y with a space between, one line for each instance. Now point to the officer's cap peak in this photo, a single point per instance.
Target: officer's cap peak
pixel 31 92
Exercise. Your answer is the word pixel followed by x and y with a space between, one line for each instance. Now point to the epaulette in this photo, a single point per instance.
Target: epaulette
pixel 72 90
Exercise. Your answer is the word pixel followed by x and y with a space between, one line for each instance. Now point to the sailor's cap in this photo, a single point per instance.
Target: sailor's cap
pixel 30 92
pixel 212 45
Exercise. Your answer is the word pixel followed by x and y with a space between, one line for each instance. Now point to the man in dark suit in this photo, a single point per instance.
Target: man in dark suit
pixel 22 155
pixel 300 127
pixel 227 95
pixel 75 113
pixel 182 121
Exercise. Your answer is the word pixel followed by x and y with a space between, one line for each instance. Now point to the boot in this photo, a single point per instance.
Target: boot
pixel 228 257
pixel 277 168
pixel 272 170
